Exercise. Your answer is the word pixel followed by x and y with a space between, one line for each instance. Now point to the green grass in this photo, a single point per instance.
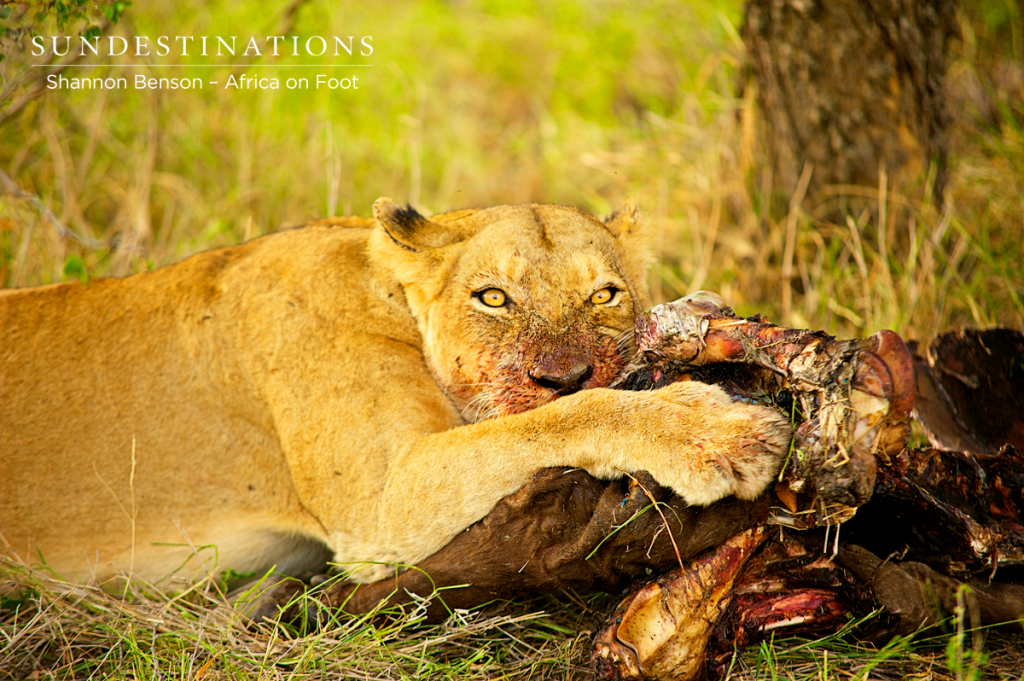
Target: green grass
pixel 66 631
pixel 583 102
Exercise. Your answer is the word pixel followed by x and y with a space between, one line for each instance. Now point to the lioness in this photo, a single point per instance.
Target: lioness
pixel 361 390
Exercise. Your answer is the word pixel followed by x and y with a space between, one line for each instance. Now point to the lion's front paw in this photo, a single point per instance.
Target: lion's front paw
pixel 721 446
pixel 757 457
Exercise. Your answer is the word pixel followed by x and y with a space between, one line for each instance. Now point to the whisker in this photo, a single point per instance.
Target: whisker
pixel 484 403
pixel 625 342
pixel 478 402
pixel 494 411
pixel 627 333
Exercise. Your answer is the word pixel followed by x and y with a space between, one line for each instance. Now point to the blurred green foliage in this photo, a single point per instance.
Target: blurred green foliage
pixel 475 102
pixel 32 16
pixel 458 93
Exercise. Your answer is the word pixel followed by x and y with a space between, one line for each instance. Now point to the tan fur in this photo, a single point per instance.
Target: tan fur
pixel 339 386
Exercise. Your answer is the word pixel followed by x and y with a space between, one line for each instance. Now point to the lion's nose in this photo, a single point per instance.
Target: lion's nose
pixel 563 380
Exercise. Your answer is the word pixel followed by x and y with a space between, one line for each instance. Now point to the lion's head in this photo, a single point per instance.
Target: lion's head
pixel 517 305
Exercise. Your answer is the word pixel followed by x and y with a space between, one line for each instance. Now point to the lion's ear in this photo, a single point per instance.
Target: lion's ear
pixel 628 229
pixel 409 229
pixel 633 237
pixel 624 221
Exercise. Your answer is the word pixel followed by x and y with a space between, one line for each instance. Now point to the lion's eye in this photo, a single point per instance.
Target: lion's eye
pixel 604 296
pixel 493 297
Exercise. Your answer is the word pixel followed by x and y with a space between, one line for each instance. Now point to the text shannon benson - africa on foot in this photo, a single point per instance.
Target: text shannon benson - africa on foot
pixel 243 82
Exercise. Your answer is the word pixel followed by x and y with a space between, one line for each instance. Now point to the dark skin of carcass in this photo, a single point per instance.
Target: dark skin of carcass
pixel 556 533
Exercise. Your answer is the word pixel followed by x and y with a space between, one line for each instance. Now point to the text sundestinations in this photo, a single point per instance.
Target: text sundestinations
pixel 203 46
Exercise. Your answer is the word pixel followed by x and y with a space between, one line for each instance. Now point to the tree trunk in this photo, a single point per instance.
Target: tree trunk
pixel 851 86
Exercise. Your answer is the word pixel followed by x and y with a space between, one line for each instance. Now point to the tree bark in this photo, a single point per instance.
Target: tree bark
pixel 851 86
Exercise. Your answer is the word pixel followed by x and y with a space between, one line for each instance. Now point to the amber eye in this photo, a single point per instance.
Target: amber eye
pixel 493 297
pixel 604 296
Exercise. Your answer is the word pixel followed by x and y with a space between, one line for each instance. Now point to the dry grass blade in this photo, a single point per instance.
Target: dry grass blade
pixel 791 223
pixel 63 230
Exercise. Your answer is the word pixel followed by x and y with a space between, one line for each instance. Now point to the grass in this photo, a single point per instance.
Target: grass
pixel 64 631
pixel 474 103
